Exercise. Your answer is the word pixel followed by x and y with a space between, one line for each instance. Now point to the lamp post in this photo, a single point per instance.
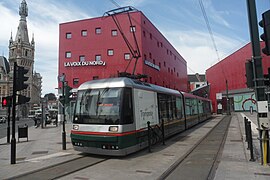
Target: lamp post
pixel 62 79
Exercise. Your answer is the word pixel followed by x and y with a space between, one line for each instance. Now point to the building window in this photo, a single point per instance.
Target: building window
pixel 68 54
pixel 150 35
pixel 75 81
pixel 161 44
pixel 82 58
pixel 154 61
pixel 150 55
pixel 68 35
pixel 159 64
pixel 132 29
pixel 150 78
pixel 98 57
pixel 144 56
pixel 143 33
pixel 197 85
pixel 169 70
pixel 127 56
pixel 84 33
pixel 177 75
pixel 110 52
pixel 114 32
pixel 95 77
pixel 164 64
pixel 174 69
pixel 157 44
pixel 170 52
pixel 98 30
pixel 167 51
pixel 174 57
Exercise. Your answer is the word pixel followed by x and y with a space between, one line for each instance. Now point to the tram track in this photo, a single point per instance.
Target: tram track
pixel 61 169
pixel 202 160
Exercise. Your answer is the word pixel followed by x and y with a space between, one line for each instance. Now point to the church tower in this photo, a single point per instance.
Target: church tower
pixel 21 50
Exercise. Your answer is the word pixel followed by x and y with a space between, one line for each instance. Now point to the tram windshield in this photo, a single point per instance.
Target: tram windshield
pixel 99 106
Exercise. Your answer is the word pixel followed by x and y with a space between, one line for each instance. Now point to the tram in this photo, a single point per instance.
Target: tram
pixel 111 115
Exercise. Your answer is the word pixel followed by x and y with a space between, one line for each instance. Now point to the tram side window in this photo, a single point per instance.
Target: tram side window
pixel 195 106
pixel 179 108
pixel 200 104
pixel 162 107
pixel 127 113
pixel 188 107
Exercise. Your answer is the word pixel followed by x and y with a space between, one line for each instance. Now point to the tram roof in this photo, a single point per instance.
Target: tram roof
pixel 125 82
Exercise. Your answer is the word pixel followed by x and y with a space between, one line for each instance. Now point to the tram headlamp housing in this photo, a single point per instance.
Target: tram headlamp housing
pixel 113 128
pixel 75 127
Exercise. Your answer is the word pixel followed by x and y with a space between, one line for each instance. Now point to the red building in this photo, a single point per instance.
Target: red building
pixel 94 49
pixel 232 69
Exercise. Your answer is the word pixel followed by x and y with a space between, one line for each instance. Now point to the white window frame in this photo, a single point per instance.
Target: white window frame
pixel 84 33
pixel 98 30
pixel 127 56
pixel 98 57
pixel 114 32
pixel 68 35
pixel 132 28
pixel 82 58
pixel 68 54
pixel 110 52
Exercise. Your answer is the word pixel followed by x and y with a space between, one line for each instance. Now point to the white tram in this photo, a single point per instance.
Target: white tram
pixel 111 115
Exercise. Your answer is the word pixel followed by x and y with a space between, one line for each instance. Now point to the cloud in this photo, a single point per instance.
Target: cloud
pixel 197 49
pixel 43 20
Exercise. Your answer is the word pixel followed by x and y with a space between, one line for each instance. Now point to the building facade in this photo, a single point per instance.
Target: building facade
pixel 232 69
pixel 196 81
pixel 94 49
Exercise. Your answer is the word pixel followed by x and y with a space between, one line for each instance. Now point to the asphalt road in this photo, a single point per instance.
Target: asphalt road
pixel 21 122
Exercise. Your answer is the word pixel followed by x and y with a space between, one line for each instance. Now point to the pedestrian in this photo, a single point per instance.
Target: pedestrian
pixel 35 120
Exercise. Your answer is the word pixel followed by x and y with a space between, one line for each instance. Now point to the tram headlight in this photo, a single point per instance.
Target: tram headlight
pixel 75 127
pixel 113 128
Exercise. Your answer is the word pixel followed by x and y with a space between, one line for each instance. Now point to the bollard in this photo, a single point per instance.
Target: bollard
pixel 250 142
pixel 248 135
pixel 245 121
pixel 149 136
pixel 163 132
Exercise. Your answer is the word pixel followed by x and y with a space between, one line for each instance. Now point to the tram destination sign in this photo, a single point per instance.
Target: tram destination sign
pixel 84 63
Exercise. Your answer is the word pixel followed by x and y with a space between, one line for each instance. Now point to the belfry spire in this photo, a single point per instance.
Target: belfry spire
pixel 22 33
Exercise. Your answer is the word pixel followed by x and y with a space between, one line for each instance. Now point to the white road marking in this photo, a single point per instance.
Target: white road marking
pixel 38 159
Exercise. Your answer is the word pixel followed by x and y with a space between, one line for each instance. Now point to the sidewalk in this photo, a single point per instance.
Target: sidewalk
pixel 44 148
pixel 235 160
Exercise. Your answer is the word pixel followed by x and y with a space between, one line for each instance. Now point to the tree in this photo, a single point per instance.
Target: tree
pixel 50 97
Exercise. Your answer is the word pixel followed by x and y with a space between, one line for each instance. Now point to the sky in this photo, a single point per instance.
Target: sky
pixel 180 21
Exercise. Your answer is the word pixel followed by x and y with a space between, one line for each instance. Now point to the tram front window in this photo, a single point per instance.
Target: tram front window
pixel 98 106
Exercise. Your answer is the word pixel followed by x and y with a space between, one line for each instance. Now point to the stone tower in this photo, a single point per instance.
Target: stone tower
pixel 22 51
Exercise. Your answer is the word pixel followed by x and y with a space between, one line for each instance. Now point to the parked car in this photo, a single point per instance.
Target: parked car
pixel 2 119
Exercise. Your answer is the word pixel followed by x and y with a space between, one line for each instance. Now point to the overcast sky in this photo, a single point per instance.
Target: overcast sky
pixel 180 21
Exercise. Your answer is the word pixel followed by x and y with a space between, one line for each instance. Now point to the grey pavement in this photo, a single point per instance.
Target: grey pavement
pixel 44 149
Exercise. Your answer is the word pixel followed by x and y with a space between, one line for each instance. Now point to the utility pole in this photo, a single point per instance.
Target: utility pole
pixel 63 79
pixel 227 97
pixel 13 139
pixel 262 105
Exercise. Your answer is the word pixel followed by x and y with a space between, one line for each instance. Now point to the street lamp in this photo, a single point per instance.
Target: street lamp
pixel 62 79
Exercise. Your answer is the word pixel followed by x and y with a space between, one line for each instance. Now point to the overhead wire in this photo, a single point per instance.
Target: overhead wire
pixel 211 34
